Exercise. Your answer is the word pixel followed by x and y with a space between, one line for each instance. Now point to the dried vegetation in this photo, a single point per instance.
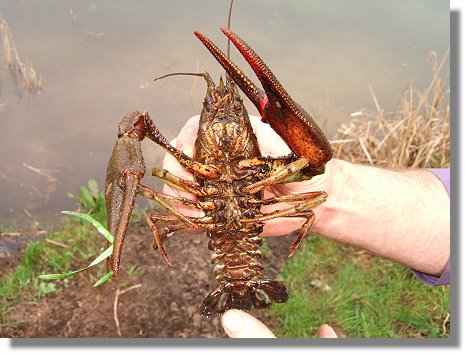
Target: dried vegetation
pixel 26 72
pixel 416 134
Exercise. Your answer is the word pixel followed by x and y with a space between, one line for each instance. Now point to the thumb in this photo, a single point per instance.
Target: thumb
pixel 239 324
pixel 326 331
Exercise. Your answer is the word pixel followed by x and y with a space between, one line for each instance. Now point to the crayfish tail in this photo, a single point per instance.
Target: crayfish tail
pixel 270 290
pixel 244 296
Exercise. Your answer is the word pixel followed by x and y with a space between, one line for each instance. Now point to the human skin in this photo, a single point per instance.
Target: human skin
pixel 403 215
pixel 239 324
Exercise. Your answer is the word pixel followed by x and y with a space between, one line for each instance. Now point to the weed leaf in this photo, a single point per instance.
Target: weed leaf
pixel 98 260
pixel 102 256
pixel 104 279
pixel 101 229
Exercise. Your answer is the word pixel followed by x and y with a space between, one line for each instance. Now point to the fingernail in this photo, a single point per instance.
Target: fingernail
pixel 232 321
pixel 333 333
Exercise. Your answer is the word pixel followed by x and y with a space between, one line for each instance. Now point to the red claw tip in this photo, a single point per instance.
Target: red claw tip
pixel 263 102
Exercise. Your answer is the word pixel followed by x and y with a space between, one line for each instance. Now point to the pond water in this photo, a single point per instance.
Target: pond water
pixel 97 60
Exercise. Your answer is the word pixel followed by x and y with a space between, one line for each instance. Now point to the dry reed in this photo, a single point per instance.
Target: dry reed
pixel 32 81
pixel 417 134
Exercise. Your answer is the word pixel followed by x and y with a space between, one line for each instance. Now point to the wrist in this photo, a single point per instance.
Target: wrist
pixel 332 182
pixel 401 215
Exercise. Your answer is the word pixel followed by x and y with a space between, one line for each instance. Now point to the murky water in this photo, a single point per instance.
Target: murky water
pixel 98 58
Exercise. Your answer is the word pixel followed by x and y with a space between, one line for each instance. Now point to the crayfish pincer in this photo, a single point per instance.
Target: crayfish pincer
pixel 230 178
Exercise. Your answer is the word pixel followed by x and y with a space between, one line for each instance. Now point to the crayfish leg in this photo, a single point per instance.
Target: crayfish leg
pixel 302 210
pixel 278 176
pixel 155 135
pixel 178 183
pixel 310 218
pixel 152 220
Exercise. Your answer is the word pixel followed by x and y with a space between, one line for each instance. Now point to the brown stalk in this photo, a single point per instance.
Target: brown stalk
pixel 416 134
pixel 115 305
pixel 32 81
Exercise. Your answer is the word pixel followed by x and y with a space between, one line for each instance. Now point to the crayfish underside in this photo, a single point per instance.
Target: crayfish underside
pixel 230 176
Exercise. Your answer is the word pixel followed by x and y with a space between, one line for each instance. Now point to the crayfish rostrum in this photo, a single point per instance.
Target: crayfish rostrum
pixel 230 176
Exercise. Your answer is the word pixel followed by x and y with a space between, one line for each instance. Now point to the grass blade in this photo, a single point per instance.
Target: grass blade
pixel 62 275
pixel 98 260
pixel 101 229
pixel 102 256
pixel 104 279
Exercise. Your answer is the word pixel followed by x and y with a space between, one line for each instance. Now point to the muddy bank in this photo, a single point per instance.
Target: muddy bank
pixel 163 302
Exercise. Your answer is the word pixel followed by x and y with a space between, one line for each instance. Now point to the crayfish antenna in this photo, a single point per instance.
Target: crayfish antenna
pixel 229 27
pixel 205 75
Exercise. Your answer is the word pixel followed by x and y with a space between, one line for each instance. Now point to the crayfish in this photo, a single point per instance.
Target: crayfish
pixel 230 176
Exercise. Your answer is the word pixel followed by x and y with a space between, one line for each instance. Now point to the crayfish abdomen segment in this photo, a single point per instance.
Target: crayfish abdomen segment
pixel 236 257
pixel 244 295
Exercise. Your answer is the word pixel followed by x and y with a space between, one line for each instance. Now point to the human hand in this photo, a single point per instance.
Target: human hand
pixel 270 145
pixel 239 324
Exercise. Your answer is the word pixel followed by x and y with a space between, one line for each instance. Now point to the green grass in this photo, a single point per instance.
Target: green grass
pixel 43 257
pixel 368 296
pixel 23 286
pixel 80 244
pixel 132 270
pixel 358 294
pixel 78 239
pixel 92 201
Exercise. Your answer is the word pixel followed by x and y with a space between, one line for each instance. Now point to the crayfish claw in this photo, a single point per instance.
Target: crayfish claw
pixel 124 172
pixel 287 118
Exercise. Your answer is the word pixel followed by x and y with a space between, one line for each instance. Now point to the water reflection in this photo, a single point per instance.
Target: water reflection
pixel 98 58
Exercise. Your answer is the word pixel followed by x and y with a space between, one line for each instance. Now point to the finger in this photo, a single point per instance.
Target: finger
pixel 187 136
pixel 281 226
pixel 239 324
pixel 326 331
pixel 171 164
pixel 185 142
pixel 269 142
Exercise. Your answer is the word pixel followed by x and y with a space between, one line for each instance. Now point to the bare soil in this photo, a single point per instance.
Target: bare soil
pixel 165 305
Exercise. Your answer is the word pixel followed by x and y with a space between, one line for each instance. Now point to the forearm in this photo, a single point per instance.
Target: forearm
pixel 401 215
